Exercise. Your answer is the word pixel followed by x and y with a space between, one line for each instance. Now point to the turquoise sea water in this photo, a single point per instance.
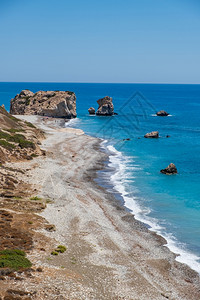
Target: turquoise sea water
pixel 168 204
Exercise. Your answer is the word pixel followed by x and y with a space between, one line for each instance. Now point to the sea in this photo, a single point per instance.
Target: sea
pixel 168 205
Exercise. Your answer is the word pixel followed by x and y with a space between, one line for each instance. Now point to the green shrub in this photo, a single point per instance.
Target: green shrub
pixel 16 138
pixel 36 198
pixel 18 198
pixel 15 259
pixel 61 249
pixel 19 139
pixel 34 155
pixel 30 124
pixel 54 253
pixel 26 144
pixel 7 145
pixel 4 135
pixel 14 130
pixel 13 118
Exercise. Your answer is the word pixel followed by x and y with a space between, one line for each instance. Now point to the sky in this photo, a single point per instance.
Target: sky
pixel 109 41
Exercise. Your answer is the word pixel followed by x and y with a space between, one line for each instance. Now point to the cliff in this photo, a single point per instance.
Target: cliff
pixel 57 104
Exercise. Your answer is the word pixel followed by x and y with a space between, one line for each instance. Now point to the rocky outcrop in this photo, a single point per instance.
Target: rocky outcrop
pixel 171 169
pixel 153 134
pixel 162 113
pixel 91 111
pixel 106 107
pixel 51 103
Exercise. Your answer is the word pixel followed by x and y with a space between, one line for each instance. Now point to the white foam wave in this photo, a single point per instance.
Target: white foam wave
pixel 118 178
pixel 155 115
pixel 72 122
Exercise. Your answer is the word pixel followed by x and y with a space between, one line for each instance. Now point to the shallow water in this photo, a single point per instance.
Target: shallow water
pixel 168 204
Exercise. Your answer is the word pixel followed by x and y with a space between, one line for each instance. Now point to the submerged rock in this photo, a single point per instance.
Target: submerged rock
pixel 171 169
pixel 91 111
pixel 162 113
pixel 153 134
pixel 106 107
pixel 50 103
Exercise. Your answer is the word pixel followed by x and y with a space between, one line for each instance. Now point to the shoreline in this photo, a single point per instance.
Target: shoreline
pixel 183 255
pixel 124 257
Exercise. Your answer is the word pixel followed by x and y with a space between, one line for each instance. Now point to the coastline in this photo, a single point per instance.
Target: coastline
pixel 117 162
pixel 124 259
pixel 115 167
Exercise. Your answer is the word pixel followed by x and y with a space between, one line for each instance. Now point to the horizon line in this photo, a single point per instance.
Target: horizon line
pixel 161 83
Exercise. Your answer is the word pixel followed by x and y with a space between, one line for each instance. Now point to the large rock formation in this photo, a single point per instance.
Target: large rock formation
pixel 106 107
pixel 51 103
pixel 162 113
pixel 91 111
pixel 171 169
pixel 153 134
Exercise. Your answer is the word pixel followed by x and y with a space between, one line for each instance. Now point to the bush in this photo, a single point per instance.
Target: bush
pixel 13 118
pixel 34 155
pixel 54 253
pixel 26 144
pixel 7 145
pixel 15 259
pixel 30 124
pixel 61 249
pixel 36 198
pixel 16 138
pixel 4 135
pixel 14 130
pixel 19 139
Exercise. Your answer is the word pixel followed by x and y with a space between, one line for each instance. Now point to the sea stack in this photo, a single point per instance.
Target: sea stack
pixel 106 107
pixel 91 111
pixel 171 169
pixel 162 113
pixel 152 135
pixel 57 104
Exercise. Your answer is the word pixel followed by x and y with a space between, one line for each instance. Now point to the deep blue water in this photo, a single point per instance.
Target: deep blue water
pixel 169 204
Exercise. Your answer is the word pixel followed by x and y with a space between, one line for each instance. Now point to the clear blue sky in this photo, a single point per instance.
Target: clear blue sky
pixel 145 41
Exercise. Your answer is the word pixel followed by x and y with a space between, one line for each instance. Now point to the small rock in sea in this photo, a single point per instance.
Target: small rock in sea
pixel 106 107
pixel 167 136
pixel 162 113
pixel 91 111
pixel 126 139
pixel 171 169
pixel 153 134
